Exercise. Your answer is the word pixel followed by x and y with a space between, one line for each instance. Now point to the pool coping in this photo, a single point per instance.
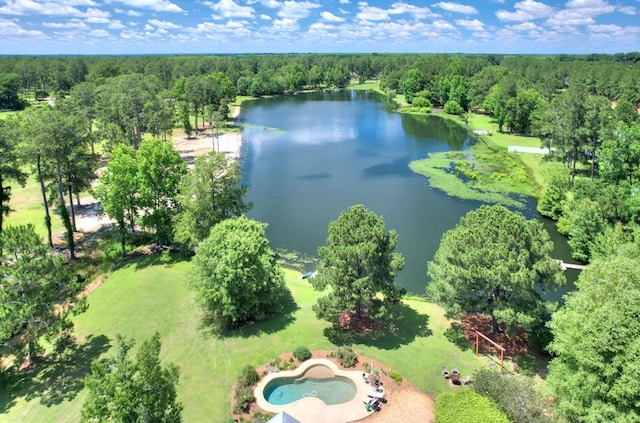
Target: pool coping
pixel 311 409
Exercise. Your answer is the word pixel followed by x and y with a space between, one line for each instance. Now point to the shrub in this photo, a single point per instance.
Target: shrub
pixel 302 353
pixel 249 376
pixel 421 102
pixel 396 377
pixel 244 392
pixel 453 108
pixel 514 395
pixel 467 407
pixel 346 356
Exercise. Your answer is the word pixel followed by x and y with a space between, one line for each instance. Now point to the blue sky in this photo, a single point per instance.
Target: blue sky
pixel 313 26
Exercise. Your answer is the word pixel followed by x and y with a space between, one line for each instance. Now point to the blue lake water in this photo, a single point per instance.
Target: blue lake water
pixel 311 156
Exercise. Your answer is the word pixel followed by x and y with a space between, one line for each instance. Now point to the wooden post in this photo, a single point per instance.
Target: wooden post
pixel 499 347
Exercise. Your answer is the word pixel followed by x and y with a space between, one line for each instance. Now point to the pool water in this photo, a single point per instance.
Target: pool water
pixel 331 391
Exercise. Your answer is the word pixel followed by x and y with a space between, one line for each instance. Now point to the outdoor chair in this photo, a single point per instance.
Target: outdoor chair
pixel 445 373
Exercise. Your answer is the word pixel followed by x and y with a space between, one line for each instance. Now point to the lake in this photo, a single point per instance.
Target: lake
pixel 310 156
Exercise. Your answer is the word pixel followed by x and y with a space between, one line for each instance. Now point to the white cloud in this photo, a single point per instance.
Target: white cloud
pixel 344 2
pixel 296 10
pixel 591 7
pixel 526 10
pixel 98 16
pixel 457 7
pixel 372 13
pixel 156 5
pixel 265 17
pixel 471 25
pixel 116 24
pixel 73 24
pixel 286 25
pixel 163 24
pixel 330 17
pixel 100 33
pixel 525 27
pixel 134 13
pixel 230 9
pixel 30 7
pixel 569 17
pixel 605 28
pixel 442 25
pixel 417 12
pixel 628 10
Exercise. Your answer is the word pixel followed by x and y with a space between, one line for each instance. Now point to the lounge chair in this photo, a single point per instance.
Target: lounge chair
pixel 376 394
pixel 445 373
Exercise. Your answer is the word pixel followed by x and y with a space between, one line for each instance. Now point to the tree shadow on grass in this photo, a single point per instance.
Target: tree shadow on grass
pixel 59 376
pixel 455 334
pixel 166 258
pixel 402 328
pixel 272 324
pixel 532 364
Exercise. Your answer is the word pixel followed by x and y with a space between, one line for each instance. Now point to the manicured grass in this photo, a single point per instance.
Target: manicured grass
pixel 7 114
pixel 145 296
pixel 478 121
pixel 26 203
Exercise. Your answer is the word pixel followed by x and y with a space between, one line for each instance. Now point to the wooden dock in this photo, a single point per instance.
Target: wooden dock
pixel 566 266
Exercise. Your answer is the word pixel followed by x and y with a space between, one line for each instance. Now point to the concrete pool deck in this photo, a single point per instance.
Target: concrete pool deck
pixel 314 410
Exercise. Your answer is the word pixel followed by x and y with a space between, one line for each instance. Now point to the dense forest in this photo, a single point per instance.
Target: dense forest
pixel 584 109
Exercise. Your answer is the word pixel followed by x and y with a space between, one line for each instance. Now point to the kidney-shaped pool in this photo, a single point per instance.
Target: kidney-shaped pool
pixel 332 390
pixel 316 391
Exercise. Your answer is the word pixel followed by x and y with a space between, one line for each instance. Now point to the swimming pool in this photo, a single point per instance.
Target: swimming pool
pixel 332 391
pixel 316 391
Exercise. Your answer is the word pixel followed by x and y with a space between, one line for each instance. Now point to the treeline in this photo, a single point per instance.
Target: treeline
pixel 613 76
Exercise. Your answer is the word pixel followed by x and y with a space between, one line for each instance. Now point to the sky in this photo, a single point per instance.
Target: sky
pixel 314 26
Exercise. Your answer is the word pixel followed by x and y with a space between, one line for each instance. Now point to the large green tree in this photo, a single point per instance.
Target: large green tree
pixel 118 189
pixel 596 374
pixel 359 266
pixel 124 389
pixel 493 262
pixel 10 164
pixel 209 193
pixel 160 169
pixel 235 274
pixel 37 292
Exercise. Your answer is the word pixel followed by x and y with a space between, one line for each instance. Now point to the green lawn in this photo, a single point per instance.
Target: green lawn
pixel 6 114
pixel 146 296
pixel 26 205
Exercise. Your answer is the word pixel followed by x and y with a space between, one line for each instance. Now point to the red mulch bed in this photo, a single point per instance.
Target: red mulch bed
pixel 513 344
pixel 364 324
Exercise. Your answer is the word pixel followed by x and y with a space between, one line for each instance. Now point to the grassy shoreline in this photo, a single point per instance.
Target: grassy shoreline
pixel 491 174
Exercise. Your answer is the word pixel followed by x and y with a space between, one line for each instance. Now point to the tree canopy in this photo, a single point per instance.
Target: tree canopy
pixel 208 194
pixel 124 389
pixel 37 292
pixel 596 374
pixel 10 165
pixel 160 170
pixel 235 274
pixel 492 262
pixel 359 266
